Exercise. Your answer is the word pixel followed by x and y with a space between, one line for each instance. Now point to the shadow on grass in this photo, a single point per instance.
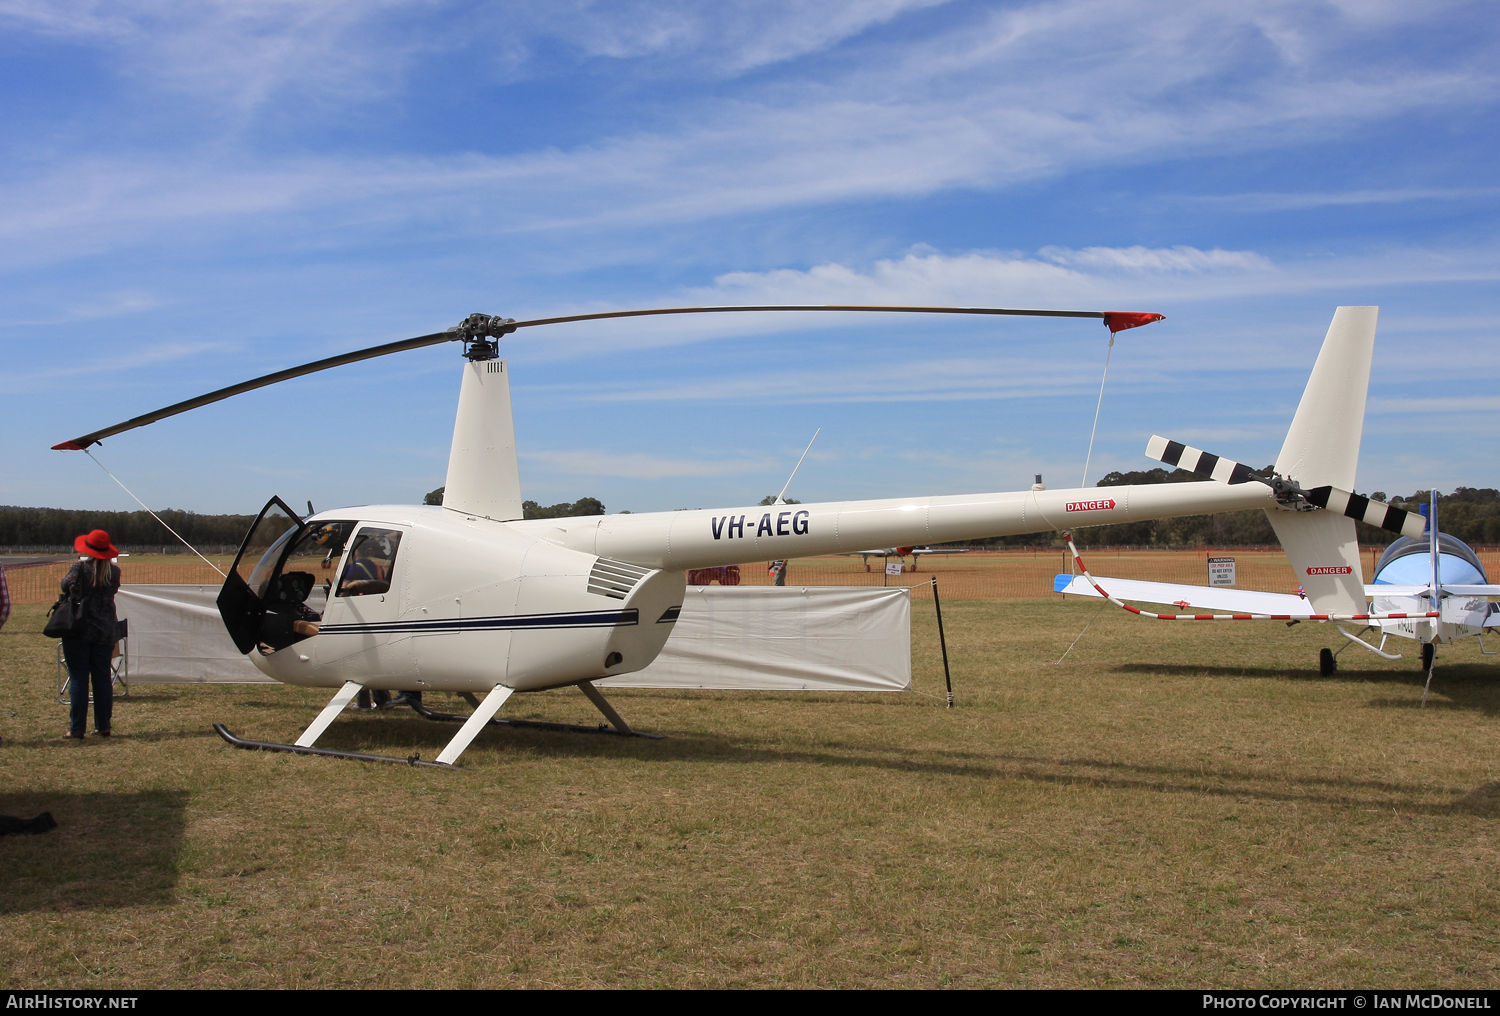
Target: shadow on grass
pixel 1468 686
pixel 108 850
pixel 398 736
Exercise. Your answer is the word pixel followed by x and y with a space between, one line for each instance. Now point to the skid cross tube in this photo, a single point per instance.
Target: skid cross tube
pixel 1230 617
pixel 569 728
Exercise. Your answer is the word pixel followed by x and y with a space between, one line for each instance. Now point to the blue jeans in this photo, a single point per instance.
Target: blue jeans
pixel 86 661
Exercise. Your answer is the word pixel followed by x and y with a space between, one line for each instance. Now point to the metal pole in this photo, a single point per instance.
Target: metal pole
pixel 942 641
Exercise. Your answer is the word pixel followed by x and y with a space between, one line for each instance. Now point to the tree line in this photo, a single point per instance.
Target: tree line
pixel 59 527
pixel 532 510
pixel 1470 513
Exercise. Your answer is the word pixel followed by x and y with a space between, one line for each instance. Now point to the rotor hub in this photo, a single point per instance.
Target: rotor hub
pixel 476 332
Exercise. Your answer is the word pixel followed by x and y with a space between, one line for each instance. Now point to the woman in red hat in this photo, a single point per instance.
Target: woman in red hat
pixel 94 580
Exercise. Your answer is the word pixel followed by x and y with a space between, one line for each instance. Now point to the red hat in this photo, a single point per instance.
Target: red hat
pixel 96 544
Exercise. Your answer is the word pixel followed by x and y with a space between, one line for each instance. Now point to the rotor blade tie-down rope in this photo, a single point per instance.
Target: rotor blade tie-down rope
pixel 1231 617
pixel 1100 405
pixel 155 516
pixel 1080 634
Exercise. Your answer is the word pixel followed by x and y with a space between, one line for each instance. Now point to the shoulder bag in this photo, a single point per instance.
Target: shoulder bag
pixel 65 618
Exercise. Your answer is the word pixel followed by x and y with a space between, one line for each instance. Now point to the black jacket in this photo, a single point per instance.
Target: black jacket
pixel 98 604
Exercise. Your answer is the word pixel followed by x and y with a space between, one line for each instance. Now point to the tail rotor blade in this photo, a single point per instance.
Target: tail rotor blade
pixel 1354 506
pixel 1364 509
pixel 1196 460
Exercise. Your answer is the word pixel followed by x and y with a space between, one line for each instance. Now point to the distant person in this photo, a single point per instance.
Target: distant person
pixel 4 598
pixel 93 581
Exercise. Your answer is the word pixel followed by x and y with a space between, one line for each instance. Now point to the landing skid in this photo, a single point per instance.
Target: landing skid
pixel 302 749
pixel 575 728
pixel 483 715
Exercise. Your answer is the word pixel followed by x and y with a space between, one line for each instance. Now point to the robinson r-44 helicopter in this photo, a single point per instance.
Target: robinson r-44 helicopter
pixel 469 597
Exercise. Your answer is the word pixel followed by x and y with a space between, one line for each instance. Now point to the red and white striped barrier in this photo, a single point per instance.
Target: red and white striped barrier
pixel 1231 617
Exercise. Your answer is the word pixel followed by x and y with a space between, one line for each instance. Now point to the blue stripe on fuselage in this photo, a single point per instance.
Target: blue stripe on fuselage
pixel 514 622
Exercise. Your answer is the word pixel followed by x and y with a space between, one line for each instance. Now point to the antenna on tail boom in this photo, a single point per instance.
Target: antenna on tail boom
pixel 797 467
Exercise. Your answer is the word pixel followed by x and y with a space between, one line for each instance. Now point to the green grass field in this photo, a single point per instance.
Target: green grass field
pixel 1174 805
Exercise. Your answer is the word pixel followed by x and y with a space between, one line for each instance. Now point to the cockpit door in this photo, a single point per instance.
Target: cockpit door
pixel 242 599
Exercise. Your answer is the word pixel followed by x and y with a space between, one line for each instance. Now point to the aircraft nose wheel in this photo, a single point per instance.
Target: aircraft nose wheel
pixel 1427 653
pixel 1326 663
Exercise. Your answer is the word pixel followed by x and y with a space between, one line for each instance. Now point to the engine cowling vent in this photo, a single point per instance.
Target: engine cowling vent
pixel 615 579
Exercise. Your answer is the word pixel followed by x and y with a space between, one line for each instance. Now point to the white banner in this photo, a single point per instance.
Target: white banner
pixel 177 636
pixel 785 638
pixel 793 638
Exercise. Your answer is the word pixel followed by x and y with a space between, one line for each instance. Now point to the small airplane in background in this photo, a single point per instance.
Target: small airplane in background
pixel 901 553
pixel 1428 586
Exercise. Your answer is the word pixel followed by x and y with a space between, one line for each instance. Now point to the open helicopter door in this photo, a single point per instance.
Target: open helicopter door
pixel 242 600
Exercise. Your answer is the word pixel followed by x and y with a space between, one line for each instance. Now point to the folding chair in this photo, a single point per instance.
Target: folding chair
pixel 119 666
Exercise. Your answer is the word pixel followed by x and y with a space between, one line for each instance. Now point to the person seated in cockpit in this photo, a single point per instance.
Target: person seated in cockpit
pixel 366 571
pixel 288 618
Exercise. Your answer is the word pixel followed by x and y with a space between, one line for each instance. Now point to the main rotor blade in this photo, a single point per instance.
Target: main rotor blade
pixel 80 443
pixel 1114 319
pixel 886 308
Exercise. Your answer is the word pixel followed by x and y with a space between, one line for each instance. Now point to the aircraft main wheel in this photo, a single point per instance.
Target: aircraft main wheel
pixel 1326 663
pixel 1428 651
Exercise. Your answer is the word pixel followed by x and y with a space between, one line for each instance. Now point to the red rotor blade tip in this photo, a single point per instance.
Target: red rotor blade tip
pixel 1118 321
pixel 68 446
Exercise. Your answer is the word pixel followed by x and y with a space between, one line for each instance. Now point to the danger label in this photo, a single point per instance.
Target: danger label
pixel 1089 506
pixel 1331 569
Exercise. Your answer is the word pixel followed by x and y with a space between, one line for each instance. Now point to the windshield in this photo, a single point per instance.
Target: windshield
pixel 318 549
pixel 1416 570
pixel 263 546
pixel 260 575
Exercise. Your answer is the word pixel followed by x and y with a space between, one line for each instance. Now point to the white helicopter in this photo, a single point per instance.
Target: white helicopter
pixel 469 597
pixel 1410 597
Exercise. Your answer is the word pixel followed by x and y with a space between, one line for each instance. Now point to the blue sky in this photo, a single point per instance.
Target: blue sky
pixel 192 194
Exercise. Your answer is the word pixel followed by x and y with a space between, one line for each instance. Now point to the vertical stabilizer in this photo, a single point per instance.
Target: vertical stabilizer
pixel 1324 552
pixel 1322 446
pixel 482 475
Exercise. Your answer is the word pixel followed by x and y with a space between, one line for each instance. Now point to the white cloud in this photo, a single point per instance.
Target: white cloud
pixel 146 356
pixel 1449 404
pixel 1176 260
pixel 104 306
pixel 1093 278
pixel 972 100
pixel 1292 201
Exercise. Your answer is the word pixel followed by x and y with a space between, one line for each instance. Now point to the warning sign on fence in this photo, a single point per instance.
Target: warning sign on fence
pixel 893 569
pixel 1221 571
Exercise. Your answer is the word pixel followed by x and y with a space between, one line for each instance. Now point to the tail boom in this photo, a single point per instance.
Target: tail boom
pixel 701 539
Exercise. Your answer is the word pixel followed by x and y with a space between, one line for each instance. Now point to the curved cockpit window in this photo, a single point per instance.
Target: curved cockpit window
pixel 372 559
pixel 260 575
pixel 1407 562
pixel 318 549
